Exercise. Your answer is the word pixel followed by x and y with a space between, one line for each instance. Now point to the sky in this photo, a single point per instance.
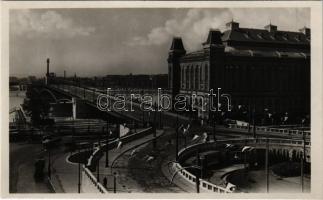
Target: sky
pixel 101 41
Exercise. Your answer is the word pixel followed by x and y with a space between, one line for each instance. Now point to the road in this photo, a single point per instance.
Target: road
pixel 21 178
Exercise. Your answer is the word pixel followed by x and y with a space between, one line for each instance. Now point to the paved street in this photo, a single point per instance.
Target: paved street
pixel 22 158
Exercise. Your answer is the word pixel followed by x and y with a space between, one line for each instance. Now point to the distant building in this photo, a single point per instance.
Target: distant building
pixel 262 68
pixel 130 81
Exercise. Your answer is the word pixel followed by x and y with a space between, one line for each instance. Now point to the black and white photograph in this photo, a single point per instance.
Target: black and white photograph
pixel 165 100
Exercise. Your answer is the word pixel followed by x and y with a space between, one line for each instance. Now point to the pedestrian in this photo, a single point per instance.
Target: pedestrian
pixel 105 182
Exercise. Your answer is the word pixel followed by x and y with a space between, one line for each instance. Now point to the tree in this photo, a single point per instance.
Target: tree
pixel 35 106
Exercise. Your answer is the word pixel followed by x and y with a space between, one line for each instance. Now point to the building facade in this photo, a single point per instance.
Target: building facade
pixel 265 69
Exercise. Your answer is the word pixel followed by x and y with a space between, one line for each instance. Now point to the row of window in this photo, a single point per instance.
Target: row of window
pixel 195 77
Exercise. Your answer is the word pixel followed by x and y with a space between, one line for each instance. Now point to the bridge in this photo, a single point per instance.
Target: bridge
pixel 82 100
pixel 82 95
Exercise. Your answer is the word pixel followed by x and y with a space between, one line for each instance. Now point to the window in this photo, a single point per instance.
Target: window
pixel 187 77
pixel 196 74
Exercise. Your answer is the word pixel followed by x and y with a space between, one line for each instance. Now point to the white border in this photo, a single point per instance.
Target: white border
pixel 316 91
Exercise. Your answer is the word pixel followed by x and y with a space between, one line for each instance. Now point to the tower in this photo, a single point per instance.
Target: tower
pixel 214 53
pixel 47 73
pixel 176 51
pixel 47 61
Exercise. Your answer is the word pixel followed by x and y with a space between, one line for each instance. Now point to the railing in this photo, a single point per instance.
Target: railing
pixel 205 185
pixel 183 153
pixel 91 95
pixel 283 131
pixel 94 184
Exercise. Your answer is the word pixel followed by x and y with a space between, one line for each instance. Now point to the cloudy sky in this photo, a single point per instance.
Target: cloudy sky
pixel 97 42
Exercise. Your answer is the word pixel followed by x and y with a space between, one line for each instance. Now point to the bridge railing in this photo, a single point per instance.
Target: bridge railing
pixel 282 131
pixel 90 183
pixel 186 152
pixel 204 185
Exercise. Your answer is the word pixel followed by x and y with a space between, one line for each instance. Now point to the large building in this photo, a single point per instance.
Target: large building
pixel 266 69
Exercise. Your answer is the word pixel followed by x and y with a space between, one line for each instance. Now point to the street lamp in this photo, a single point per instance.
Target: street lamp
pixel 214 122
pixel 177 129
pixel 79 171
pixel 49 163
pixel 246 149
pixel 98 171
pixel 107 146
pixel 114 182
pixel 303 158
pixel 267 163
pixel 254 120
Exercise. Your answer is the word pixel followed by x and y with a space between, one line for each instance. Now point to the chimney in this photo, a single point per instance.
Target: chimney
pixel 232 25
pixel 47 74
pixel 306 31
pixel 271 28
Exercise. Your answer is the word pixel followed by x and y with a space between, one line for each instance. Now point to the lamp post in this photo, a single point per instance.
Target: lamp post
pixel 79 172
pixel 214 133
pixel 98 171
pixel 177 140
pixel 143 118
pixel 267 163
pixel 160 120
pixel 93 97
pixel 303 158
pixel 176 143
pixel 115 182
pixel 254 121
pixel 107 146
pixel 154 129
pixel 49 163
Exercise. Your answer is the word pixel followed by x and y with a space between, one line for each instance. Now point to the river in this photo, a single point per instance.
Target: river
pixel 16 98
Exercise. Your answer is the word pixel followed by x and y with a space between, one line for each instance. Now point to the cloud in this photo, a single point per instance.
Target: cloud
pixel 45 24
pixel 194 26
